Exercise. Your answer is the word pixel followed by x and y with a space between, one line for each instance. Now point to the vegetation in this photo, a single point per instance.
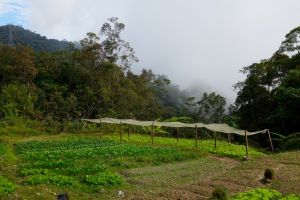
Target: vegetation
pixel 260 193
pixel 269 174
pixel 17 35
pixel 6 186
pixel 223 148
pixel 219 193
pixel 48 86
pixel 88 161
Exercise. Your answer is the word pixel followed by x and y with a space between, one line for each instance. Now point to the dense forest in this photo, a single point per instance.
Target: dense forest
pixel 17 35
pixel 51 81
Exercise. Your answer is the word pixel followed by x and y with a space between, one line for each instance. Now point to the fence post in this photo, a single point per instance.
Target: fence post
pixel 246 138
pixel 120 132
pixel 270 141
pixel 129 126
pixel 215 135
pixel 152 133
pixel 100 131
pixel 196 136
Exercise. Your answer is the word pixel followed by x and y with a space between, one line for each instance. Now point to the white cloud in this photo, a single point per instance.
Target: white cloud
pixel 7 6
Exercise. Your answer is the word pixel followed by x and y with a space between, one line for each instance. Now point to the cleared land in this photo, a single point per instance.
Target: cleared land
pixel 89 167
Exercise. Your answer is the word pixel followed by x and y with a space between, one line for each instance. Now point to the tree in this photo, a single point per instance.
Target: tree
pixel 115 49
pixel 211 108
pixel 14 101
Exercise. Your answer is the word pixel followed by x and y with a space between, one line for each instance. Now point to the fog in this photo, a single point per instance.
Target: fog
pixel 199 45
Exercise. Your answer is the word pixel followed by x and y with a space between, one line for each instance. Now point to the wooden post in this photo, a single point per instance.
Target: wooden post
pixel 228 137
pixel 270 141
pixel 100 131
pixel 129 126
pixel 246 138
pixel 215 135
pixel 200 135
pixel 152 133
pixel 196 136
pixel 177 133
pixel 120 131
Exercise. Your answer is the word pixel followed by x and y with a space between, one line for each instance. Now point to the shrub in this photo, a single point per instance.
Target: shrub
pixel 6 186
pixel 269 174
pixel 219 193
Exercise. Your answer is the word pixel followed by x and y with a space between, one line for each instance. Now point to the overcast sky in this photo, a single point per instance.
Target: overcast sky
pixel 200 43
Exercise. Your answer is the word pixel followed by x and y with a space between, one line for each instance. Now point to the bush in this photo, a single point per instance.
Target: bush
pixel 219 193
pixel 269 174
pixel 6 186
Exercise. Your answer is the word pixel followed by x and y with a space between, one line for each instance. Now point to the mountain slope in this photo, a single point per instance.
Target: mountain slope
pixel 13 35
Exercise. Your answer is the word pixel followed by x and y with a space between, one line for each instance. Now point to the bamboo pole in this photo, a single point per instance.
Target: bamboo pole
pixel 270 139
pixel 196 136
pixel 246 138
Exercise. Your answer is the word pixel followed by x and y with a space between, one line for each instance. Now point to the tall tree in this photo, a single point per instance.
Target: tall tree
pixel 211 108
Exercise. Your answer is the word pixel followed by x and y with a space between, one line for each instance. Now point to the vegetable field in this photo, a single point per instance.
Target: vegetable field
pixel 88 161
pixel 223 148
pixel 93 167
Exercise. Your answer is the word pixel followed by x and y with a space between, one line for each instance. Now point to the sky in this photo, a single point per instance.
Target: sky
pixel 198 44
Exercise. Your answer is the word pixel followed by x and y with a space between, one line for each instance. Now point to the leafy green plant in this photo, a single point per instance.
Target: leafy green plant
pixel 105 178
pixel 6 186
pixel 262 193
pixel 58 180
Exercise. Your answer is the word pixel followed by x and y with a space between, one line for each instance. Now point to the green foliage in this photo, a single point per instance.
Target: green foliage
pixel 184 119
pixel 2 149
pixel 6 186
pixel 58 180
pixel 87 160
pixel 26 37
pixel 223 148
pixel 269 97
pixel 15 100
pixel 105 178
pixel 261 193
pixel 211 108
pixel 219 193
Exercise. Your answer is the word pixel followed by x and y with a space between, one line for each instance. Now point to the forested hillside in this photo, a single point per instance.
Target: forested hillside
pixel 96 81
pixel 17 35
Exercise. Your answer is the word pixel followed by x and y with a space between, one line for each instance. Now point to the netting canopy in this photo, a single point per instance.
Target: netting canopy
pixel 223 128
